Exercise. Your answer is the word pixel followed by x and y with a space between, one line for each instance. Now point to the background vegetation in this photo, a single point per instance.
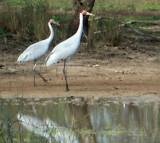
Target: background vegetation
pixel 26 20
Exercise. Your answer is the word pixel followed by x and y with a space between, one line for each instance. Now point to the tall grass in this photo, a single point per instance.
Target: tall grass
pixel 104 32
pixel 28 19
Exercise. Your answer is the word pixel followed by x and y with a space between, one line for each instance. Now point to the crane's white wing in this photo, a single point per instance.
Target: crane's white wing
pixel 63 50
pixel 34 51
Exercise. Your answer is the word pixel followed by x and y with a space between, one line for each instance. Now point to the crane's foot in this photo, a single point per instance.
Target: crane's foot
pixel 34 82
pixel 67 89
pixel 45 80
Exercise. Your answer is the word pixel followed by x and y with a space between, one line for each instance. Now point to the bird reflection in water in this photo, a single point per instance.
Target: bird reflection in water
pixel 47 129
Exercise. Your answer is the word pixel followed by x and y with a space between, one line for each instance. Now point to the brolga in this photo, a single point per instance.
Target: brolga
pixel 37 50
pixel 66 49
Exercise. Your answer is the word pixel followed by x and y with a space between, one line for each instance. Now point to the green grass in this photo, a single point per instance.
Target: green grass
pixel 2 31
pixel 28 18
pixel 137 5
pixel 148 5
pixel 129 18
pixel 52 3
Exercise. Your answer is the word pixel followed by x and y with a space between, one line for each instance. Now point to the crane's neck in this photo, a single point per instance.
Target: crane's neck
pixel 80 28
pixel 50 38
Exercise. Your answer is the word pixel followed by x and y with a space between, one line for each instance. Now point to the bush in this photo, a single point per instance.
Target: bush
pixel 28 18
pixel 106 31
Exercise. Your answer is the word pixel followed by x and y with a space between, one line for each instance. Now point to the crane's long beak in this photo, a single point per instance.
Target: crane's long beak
pixel 56 23
pixel 90 14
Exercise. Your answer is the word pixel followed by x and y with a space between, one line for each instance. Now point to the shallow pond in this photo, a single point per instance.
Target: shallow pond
pixel 77 120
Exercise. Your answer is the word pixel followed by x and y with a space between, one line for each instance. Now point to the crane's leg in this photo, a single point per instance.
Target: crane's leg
pixel 34 71
pixel 65 75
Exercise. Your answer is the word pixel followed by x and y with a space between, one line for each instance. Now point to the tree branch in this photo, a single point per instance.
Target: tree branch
pixel 128 24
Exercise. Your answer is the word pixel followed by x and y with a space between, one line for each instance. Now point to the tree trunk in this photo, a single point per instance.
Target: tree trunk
pixel 78 6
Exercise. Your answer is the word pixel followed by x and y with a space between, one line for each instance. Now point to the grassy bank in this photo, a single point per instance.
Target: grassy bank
pixel 27 19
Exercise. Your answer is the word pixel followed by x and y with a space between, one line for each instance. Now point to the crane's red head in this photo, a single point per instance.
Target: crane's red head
pixel 84 12
pixel 51 21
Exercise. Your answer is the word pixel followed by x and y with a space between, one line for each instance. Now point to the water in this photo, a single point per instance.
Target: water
pixel 75 120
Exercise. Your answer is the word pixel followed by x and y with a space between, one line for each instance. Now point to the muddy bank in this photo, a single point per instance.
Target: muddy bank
pixel 130 69
pixel 87 77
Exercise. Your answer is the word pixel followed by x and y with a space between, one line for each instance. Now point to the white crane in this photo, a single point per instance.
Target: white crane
pixel 66 49
pixel 48 129
pixel 37 50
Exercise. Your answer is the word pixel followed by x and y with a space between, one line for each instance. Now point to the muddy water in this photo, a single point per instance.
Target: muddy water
pixel 75 120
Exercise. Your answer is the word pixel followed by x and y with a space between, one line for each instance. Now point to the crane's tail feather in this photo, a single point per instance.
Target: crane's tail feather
pixel 24 57
pixel 51 59
pixel 47 57
pixel 21 58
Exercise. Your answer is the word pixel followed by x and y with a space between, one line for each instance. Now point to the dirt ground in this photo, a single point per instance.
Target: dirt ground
pixel 131 69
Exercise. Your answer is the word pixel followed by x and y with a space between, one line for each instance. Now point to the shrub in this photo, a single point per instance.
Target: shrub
pixel 28 18
pixel 106 31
